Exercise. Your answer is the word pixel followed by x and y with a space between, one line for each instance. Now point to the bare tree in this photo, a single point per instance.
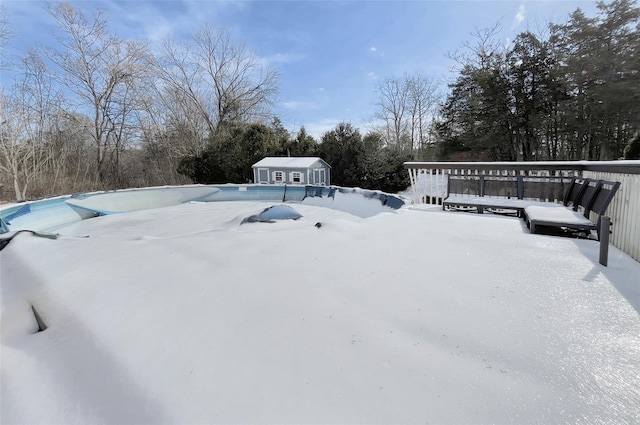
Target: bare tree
pixel 482 52
pixel 22 155
pixel 173 110
pixel 11 137
pixel 101 71
pixel 217 80
pixel 393 109
pixel 171 129
pixel 6 33
pixel 423 98
pixel 404 108
pixel 29 115
pixel 71 165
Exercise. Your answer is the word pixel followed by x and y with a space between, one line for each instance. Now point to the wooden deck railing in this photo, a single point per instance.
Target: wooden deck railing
pixel 429 186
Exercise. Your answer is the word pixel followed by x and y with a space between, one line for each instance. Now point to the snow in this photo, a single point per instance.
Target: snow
pixel 429 184
pixel 488 201
pixel 181 315
pixel 270 214
pixel 353 203
pixel 287 162
pixel 497 164
pixel 556 215
pixel 140 199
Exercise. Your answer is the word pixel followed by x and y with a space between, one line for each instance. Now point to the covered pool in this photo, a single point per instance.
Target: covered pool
pixel 50 214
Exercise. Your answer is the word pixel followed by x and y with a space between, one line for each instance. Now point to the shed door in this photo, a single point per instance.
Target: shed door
pixel 319 176
pixel 263 175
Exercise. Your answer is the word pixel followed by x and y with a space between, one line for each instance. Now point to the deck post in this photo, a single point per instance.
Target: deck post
pixel 605 224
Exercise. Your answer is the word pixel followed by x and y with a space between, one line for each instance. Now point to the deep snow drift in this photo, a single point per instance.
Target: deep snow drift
pixel 182 315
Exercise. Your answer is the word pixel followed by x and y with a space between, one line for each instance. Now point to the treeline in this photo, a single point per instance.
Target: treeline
pixel 355 160
pixel 570 95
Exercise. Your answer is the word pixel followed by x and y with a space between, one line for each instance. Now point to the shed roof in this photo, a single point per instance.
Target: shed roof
pixel 287 162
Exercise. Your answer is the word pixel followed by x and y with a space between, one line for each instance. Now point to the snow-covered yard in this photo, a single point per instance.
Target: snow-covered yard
pixel 182 315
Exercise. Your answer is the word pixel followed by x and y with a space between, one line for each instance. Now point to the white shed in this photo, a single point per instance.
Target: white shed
pixel 292 170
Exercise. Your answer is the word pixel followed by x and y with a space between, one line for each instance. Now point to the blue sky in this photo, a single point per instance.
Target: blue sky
pixel 330 54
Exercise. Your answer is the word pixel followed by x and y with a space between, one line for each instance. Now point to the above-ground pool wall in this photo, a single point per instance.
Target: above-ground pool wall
pixel 295 193
pixel 278 193
pixel 49 214
pixel 38 215
pixel 359 202
pixel 388 200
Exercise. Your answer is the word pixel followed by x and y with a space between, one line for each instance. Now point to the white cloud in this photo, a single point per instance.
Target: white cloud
pixel 279 58
pixel 300 104
pixel 161 31
pixel 519 18
pixel 318 128
pixel 158 21
pixel 375 52
pixel 284 58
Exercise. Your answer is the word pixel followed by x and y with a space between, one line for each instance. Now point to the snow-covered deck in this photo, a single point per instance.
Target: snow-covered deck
pixel 496 202
pixel 183 315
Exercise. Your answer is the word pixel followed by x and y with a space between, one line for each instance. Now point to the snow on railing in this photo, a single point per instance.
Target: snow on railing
pixel 429 185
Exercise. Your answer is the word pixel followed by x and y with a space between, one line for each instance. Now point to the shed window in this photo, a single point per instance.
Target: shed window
pixel 296 177
pixel 278 176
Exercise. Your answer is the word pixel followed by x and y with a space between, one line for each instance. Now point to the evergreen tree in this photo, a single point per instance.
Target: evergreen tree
pixel 632 150
pixel 344 150
pixel 573 96
pixel 303 144
pixel 231 154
